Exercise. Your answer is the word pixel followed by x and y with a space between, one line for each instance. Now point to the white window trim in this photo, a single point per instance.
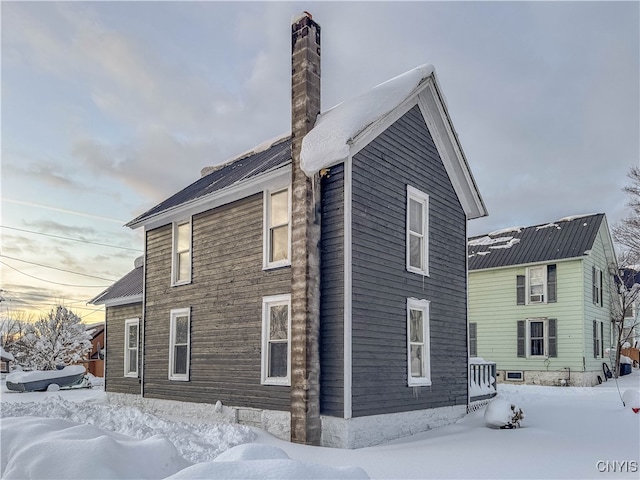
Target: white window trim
pixel 175 253
pixel 423 305
pixel 266 237
pixel 545 336
pixel 175 313
pixel 544 285
pixel 268 302
pixel 423 198
pixel 127 350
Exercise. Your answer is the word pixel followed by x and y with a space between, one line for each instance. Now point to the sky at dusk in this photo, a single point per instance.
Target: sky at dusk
pixel 110 107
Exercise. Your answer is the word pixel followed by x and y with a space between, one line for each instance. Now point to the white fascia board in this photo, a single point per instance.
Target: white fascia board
pixel 279 177
pixel 444 136
pixel 114 302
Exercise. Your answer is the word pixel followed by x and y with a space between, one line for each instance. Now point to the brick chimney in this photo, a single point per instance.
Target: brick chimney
pixel 305 237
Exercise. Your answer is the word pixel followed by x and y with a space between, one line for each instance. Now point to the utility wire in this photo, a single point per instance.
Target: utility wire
pixel 56 268
pixel 50 281
pixel 69 238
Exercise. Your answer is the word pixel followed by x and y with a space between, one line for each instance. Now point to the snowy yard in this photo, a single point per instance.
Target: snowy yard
pixel 568 432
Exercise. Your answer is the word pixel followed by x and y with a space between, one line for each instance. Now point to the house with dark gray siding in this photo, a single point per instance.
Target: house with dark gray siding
pixel 316 287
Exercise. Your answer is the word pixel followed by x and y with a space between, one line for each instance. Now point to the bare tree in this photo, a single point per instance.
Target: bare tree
pixel 627 232
pixel 625 295
pixel 12 327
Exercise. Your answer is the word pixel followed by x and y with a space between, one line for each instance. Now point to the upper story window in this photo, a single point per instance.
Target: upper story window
pixel 180 344
pixel 596 283
pixel 277 228
pixel 131 340
pixel 539 285
pixel 598 335
pixel 417 231
pixel 276 340
pixel 418 342
pixel 181 262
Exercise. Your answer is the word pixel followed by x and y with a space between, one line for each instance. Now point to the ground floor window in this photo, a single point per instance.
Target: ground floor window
pixel 131 340
pixel 418 342
pixel 537 337
pixel 180 344
pixel 276 340
pixel 598 346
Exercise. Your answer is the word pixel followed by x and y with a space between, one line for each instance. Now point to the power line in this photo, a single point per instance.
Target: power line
pixel 69 238
pixel 60 269
pixel 50 281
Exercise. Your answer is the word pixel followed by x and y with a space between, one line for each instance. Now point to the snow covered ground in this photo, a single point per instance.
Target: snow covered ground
pixel 568 432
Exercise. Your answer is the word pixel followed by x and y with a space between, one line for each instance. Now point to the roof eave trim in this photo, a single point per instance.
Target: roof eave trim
pixel 114 302
pixel 529 264
pixel 224 196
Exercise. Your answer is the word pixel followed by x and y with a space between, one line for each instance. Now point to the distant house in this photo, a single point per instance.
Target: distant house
pixel 539 300
pixel 5 360
pixel 95 361
pixel 631 276
pixel 316 286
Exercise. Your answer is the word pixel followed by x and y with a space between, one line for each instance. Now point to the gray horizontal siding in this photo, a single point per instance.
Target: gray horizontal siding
pixel 332 297
pixel 115 381
pixel 225 298
pixel 405 154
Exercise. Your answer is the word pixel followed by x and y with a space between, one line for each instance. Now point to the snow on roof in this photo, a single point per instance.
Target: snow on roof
pixel 502 231
pixel 487 240
pixel 548 225
pixel 573 217
pixel 328 142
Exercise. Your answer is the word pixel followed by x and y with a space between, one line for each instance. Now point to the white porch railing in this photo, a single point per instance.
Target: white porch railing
pixel 482 379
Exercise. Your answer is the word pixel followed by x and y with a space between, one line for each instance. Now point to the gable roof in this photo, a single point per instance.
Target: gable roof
pixel 227 175
pixel 569 237
pixel 338 132
pixel 125 291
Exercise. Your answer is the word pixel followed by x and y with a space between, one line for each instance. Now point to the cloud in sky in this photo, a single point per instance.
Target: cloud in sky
pixel 110 107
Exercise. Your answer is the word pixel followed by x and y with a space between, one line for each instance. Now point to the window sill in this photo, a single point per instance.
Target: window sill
pixel 285 382
pixel 418 382
pixel 179 284
pixel 424 273
pixel 275 266
pixel 179 379
pixel 131 375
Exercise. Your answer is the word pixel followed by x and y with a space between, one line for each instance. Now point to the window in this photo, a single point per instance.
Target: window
pixel 131 340
pixel 418 342
pixel 598 335
pixel 537 337
pixel 276 340
pixel 277 231
pixel 417 231
pixel 539 285
pixel 596 282
pixel 473 339
pixel 181 264
pixel 180 344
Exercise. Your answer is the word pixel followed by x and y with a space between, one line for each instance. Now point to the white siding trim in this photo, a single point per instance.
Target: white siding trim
pixel 348 281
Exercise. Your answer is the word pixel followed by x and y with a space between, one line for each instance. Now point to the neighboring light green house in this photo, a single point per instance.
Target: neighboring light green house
pixel 539 300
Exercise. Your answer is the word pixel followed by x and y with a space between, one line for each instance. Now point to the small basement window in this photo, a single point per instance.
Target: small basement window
pixel 514 376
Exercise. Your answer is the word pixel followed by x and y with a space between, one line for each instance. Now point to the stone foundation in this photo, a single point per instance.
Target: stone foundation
pixel 556 378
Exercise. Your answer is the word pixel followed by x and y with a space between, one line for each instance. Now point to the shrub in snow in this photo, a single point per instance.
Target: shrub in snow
pixel 58 338
pixel 503 414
